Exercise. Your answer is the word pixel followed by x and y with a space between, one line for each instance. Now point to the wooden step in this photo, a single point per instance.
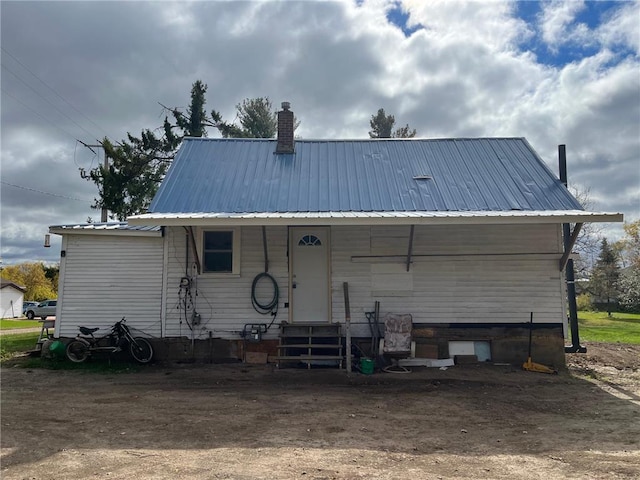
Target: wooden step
pixel 304 358
pixel 310 345
pixel 309 335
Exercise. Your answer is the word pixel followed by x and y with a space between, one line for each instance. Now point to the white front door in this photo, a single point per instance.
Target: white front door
pixel 309 285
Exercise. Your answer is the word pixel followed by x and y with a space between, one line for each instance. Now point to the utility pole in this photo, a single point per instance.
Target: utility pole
pixel 104 213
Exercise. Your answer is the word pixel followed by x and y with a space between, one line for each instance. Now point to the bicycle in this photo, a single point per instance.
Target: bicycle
pixel 118 339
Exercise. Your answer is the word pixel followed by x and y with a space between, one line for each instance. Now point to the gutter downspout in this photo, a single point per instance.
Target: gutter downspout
pixel 569 272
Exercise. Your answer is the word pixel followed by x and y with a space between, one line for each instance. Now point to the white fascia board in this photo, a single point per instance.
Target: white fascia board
pixel 56 230
pixel 372 218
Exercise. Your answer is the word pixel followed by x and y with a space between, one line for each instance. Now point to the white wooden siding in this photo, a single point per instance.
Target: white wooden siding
pixel 10 302
pixel 104 278
pixel 459 274
pixel 224 300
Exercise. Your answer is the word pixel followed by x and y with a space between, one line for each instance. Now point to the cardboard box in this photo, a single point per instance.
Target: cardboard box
pixel 424 350
pixel 256 357
pixel 465 359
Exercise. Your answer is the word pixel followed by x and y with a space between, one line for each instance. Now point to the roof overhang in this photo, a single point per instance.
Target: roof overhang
pixel 112 228
pixel 7 284
pixel 373 218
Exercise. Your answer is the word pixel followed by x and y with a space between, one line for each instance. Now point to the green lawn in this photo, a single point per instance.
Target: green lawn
pixel 599 327
pixel 17 343
pixel 11 324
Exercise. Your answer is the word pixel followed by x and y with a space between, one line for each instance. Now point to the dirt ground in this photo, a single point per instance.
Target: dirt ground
pixel 258 422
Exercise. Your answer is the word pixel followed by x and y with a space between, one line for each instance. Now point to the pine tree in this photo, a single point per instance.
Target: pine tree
pixel 257 120
pixel 604 276
pixel 137 165
pixel 382 127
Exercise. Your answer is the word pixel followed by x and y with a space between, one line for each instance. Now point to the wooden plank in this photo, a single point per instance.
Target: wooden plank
pixel 347 310
pixel 310 345
pixel 304 358
pixel 410 251
pixel 569 247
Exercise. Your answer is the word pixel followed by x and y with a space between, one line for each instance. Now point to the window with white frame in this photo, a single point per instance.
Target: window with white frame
pixel 221 251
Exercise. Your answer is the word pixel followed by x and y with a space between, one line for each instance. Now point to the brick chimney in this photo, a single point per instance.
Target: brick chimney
pixel 285 129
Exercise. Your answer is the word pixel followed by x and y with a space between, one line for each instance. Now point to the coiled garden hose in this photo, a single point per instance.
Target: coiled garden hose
pixel 272 305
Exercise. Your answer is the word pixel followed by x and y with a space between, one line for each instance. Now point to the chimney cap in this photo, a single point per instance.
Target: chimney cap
pixel 286 105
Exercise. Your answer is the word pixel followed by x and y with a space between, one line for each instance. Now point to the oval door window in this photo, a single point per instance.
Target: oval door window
pixel 309 241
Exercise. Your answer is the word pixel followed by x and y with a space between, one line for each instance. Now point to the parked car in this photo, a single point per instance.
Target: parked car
pixel 28 305
pixel 43 310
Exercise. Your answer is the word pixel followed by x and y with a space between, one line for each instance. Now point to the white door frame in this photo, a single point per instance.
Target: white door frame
pixel 294 232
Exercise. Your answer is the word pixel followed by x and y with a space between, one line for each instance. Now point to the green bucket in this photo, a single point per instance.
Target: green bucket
pixel 366 366
pixel 57 348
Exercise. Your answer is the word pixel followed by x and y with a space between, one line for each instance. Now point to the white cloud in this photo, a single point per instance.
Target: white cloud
pixel 556 22
pixel 622 28
pixel 463 74
pixel 489 23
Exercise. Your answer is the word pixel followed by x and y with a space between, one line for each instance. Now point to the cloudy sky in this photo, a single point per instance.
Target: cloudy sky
pixel 553 72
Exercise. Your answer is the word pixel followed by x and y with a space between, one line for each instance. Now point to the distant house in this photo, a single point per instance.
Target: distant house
pixel 11 298
pixel 463 234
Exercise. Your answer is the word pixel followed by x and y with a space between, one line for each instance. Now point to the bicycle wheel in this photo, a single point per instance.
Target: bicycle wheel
pixel 141 350
pixel 77 351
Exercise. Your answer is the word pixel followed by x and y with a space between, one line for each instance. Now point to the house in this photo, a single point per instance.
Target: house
pixel 466 235
pixel 11 298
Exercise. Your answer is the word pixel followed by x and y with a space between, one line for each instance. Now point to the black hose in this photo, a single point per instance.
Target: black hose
pixel 270 307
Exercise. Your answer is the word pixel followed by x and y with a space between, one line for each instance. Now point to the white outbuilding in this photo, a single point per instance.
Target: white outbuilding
pixel 11 298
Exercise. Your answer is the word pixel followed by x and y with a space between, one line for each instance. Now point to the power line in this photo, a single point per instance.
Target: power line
pixel 44 193
pixel 47 100
pixel 51 88
pixel 38 114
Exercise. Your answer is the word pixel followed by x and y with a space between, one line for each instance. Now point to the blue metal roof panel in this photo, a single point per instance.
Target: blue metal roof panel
pixel 246 176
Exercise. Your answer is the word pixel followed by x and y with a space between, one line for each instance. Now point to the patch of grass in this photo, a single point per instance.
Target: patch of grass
pixel 13 345
pixel 6 324
pixel 619 328
pixel 10 345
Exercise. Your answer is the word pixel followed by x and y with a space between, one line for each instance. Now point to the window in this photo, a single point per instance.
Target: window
pixel 218 255
pixel 309 241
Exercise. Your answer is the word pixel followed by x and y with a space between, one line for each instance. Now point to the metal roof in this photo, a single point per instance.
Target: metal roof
pixel 224 180
pixel 108 228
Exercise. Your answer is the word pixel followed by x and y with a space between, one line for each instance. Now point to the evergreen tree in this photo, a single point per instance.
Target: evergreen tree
pixel 137 165
pixel 257 120
pixel 195 122
pixel 382 127
pixel 604 276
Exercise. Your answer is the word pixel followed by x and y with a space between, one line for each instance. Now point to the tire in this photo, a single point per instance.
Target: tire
pixel 30 315
pixel 141 350
pixel 77 351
